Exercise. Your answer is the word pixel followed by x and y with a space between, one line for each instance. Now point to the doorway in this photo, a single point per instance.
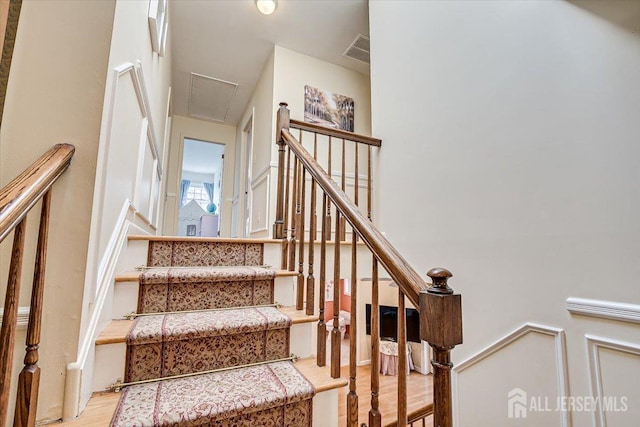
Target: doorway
pixel 200 192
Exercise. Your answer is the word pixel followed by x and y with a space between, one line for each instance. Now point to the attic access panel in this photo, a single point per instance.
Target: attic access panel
pixel 210 98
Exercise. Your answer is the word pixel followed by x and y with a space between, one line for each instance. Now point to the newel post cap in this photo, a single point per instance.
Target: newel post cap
pixel 440 312
pixel 439 277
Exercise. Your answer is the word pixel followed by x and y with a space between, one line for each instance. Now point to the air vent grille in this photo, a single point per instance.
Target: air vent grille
pixel 359 49
pixel 210 98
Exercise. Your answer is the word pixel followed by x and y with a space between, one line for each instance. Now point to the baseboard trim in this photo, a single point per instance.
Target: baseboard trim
pixel 612 310
pixel 78 385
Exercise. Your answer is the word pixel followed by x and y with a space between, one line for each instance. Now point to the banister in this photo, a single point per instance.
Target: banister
pixel 343 134
pixel 19 195
pixel 398 268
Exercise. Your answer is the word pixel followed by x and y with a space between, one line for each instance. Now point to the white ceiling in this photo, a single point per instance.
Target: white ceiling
pixel 230 40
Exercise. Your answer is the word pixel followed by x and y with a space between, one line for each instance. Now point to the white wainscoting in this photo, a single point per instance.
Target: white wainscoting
pixel 137 197
pixel 562 379
pixel 594 345
pixel 260 190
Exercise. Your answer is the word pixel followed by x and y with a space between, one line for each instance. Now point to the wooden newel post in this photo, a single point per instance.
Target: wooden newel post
pixel 441 327
pixel 282 122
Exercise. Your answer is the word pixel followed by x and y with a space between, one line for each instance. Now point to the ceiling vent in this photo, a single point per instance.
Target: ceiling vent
pixel 359 49
pixel 210 98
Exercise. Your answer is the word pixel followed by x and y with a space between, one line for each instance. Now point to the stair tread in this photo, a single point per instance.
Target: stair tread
pixel 115 332
pixel 319 376
pixel 298 316
pixel 134 275
pixel 202 239
pixel 118 329
pixel 213 396
pixel 179 326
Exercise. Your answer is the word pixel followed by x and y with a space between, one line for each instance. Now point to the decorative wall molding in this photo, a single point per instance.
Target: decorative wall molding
pixel 23 317
pixel 623 312
pixel 158 25
pixel 266 178
pixel 78 391
pixel 594 344
pixel 560 354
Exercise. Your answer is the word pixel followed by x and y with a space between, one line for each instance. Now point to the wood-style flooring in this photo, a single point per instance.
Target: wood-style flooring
pixel 419 393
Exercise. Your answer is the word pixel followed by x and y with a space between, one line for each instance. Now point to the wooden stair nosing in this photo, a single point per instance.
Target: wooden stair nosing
pixel 346 242
pixel 203 239
pixel 117 330
pixel 134 275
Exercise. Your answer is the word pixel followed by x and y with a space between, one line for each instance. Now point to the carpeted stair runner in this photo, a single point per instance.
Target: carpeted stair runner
pixel 175 344
pixel 167 289
pixel 187 275
pixel 274 394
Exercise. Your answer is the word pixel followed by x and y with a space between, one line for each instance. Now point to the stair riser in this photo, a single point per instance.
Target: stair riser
pixel 158 360
pixel 157 298
pixel 198 254
pixel 125 299
pixel 111 358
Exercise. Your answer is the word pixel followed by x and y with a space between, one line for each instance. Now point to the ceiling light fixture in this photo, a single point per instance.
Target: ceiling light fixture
pixel 266 7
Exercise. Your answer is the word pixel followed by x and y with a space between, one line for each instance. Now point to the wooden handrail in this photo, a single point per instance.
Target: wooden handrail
pixel 415 415
pixel 16 200
pixel 19 196
pixel 398 268
pixel 440 310
pixel 343 134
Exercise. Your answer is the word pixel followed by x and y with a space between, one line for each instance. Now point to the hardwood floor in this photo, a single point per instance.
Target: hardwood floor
pixel 98 413
pixel 419 393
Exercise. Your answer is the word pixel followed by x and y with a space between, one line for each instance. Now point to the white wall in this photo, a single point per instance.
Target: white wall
pixel 512 130
pixel 55 94
pixel 129 174
pixel 259 114
pixel 185 127
pixel 283 80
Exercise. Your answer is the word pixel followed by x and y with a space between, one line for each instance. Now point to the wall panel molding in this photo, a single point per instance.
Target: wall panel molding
pixel 623 312
pixel 560 356
pixel 266 181
pixel 594 344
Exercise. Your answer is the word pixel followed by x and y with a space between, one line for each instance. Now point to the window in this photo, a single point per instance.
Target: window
pixel 197 192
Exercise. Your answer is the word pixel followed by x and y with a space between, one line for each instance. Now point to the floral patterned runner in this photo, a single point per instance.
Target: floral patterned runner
pixel 274 394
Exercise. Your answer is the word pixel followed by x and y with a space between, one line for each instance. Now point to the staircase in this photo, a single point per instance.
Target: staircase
pixel 209 345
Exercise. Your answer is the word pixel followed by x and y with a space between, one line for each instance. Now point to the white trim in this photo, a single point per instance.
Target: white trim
pixel 23 317
pixel 158 25
pixel 605 309
pixel 75 397
pixel 560 354
pixel 254 185
pixel 594 344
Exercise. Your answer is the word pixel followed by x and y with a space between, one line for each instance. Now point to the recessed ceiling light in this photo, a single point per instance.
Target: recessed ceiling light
pixel 266 7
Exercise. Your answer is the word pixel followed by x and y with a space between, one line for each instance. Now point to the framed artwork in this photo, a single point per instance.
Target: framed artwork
pixel 328 109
